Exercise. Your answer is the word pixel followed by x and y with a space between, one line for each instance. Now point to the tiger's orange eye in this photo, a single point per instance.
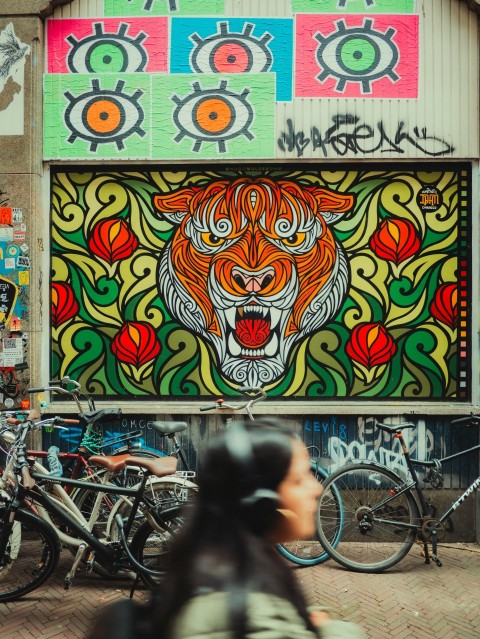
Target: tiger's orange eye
pixel 212 240
pixel 294 240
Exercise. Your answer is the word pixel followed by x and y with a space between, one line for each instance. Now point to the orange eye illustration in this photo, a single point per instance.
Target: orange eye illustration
pixel 230 52
pixel 102 115
pixel 212 115
pixel 107 52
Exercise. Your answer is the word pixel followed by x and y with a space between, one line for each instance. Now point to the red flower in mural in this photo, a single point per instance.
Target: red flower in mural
pixel 370 345
pixel 112 240
pixel 395 240
pixel 64 304
pixel 136 343
pixel 444 305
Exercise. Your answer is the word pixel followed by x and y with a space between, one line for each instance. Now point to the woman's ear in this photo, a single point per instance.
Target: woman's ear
pixel 282 527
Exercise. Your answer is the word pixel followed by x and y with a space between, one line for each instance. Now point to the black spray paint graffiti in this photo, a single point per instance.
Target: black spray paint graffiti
pixel 349 135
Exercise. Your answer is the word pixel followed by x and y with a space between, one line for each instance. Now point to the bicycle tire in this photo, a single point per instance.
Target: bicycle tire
pixel 379 523
pixel 31 555
pixel 308 552
pixel 151 546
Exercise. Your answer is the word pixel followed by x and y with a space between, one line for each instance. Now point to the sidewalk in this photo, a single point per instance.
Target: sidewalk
pixel 412 601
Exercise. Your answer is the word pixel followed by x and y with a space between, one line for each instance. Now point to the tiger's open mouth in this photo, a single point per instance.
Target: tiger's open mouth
pixel 253 334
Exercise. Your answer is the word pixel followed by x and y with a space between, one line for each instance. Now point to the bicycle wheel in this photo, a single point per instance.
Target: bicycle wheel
pixel 151 546
pixel 310 552
pixel 31 555
pixel 129 477
pixel 379 522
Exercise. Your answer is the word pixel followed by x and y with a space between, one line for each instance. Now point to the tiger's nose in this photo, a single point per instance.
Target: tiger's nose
pixel 253 282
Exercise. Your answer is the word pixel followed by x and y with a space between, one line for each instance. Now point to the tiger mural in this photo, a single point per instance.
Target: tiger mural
pixel 253 267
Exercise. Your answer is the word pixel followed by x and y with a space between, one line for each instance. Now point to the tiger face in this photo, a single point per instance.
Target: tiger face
pixel 253 267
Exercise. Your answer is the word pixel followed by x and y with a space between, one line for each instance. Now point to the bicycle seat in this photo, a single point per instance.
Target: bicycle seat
pixel 395 428
pixel 158 466
pixel 167 428
pixel 114 464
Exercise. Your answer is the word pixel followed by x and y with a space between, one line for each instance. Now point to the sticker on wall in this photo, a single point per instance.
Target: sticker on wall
pixel 8 298
pixel 6 234
pixel 163 7
pixel 357 56
pixel 17 214
pixel 353 6
pixel 159 116
pixel 429 199
pixel 202 45
pixel 6 215
pixel 13 55
pixel 107 46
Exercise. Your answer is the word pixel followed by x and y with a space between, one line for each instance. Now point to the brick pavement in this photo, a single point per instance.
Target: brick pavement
pixel 412 601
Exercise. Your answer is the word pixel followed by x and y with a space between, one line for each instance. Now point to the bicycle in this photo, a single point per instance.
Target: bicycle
pixel 164 491
pixel 91 441
pixel 302 552
pixel 30 546
pixel 383 513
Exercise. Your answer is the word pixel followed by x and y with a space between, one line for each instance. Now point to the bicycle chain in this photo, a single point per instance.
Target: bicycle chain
pixel 429 526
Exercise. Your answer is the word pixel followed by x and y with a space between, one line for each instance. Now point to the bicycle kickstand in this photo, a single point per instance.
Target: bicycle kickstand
pixel 71 573
pixel 434 549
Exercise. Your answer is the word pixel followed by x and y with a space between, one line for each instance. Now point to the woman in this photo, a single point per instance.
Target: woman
pixel 227 580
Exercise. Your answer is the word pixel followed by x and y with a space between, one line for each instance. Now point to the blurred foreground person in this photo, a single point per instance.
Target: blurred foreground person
pixel 226 579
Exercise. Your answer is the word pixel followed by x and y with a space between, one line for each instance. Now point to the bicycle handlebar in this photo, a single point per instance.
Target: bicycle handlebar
pixel 60 386
pixel 473 418
pixel 220 403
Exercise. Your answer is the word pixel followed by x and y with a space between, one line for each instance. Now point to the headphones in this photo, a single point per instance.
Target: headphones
pixel 240 450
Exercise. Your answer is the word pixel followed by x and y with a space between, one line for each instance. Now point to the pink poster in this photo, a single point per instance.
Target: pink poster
pixel 107 45
pixel 356 55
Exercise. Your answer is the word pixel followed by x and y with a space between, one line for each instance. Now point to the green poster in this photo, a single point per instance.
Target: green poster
pixel 92 117
pixel 353 6
pixel 213 116
pixel 163 7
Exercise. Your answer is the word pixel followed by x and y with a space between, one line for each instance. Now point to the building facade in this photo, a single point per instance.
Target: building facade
pixel 201 196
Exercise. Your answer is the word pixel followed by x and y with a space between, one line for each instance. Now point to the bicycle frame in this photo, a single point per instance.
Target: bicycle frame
pixel 426 464
pixel 79 525
pixel 415 488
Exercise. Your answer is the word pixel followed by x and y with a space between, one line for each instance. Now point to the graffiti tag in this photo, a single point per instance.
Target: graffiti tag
pixel 349 135
pixel 370 446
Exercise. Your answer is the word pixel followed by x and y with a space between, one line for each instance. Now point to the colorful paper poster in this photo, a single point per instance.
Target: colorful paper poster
pixel 106 45
pixel 234 45
pixel 13 56
pixel 163 7
pixel 353 6
pixel 154 116
pixel 357 56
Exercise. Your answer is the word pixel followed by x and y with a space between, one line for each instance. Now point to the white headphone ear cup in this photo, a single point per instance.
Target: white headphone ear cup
pixel 262 496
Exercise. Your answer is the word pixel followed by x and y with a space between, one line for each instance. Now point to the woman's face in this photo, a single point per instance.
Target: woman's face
pixel 298 492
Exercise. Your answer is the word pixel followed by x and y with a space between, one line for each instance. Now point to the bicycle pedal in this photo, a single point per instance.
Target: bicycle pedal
pixel 90 562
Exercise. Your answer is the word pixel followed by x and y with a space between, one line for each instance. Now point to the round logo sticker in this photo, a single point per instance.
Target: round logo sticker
pixel 429 199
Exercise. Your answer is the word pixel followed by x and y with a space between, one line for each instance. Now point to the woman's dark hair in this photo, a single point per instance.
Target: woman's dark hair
pixel 224 545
